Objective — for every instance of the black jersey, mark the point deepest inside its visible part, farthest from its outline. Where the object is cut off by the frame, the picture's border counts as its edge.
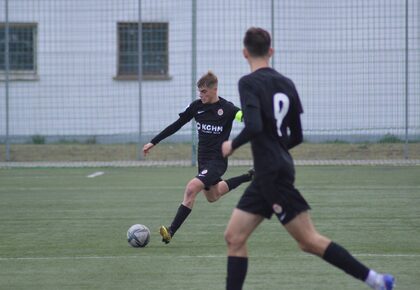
(271, 108)
(214, 124)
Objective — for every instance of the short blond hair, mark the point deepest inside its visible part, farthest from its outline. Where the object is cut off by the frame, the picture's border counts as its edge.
(208, 80)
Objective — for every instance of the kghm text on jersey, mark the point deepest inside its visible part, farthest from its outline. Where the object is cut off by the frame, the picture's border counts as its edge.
(206, 128)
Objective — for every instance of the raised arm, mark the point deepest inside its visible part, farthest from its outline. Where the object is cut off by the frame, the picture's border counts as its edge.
(168, 131)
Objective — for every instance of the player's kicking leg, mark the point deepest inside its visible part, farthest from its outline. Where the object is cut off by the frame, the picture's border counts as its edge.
(193, 187)
(212, 194)
(166, 234)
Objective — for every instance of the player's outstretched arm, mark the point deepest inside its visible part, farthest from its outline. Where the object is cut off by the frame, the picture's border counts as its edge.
(147, 147)
(168, 131)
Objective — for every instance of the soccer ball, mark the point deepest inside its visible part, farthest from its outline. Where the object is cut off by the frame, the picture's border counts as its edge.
(138, 236)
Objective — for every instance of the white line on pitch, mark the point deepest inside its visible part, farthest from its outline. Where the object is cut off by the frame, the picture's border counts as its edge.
(93, 175)
(101, 257)
(29, 188)
(182, 257)
(387, 255)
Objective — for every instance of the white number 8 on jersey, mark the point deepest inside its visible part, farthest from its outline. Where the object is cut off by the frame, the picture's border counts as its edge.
(281, 107)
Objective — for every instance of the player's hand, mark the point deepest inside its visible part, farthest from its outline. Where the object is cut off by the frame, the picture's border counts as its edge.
(147, 147)
(227, 148)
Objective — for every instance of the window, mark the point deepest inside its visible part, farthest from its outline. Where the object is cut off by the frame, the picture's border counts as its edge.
(155, 50)
(22, 49)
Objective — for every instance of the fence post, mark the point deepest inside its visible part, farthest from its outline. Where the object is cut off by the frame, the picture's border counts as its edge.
(7, 71)
(272, 31)
(193, 76)
(140, 80)
(406, 153)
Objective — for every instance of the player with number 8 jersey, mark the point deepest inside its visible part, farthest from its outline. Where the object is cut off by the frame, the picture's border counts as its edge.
(275, 108)
(271, 110)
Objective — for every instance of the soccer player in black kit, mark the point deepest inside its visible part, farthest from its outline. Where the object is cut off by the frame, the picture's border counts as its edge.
(214, 116)
(271, 110)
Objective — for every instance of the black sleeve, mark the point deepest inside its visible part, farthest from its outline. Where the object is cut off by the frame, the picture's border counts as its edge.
(252, 115)
(296, 135)
(184, 118)
(233, 110)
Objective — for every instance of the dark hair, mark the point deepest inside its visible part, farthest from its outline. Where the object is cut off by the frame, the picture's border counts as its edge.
(257, 41)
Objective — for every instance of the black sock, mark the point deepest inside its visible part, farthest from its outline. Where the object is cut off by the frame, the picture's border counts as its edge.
(234, 182)
(236, 272)
(180, 217)
(342, 259)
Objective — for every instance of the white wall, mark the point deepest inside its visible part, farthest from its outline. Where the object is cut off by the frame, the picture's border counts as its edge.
(346, 60)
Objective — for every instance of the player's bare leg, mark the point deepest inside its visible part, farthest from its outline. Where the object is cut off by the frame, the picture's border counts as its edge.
(240, 227)
(309, 240)
(218, 190)
(303, 231)
(193, 187)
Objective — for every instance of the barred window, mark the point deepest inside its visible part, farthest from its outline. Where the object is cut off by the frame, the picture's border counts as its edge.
(154, 46)
(22, 47)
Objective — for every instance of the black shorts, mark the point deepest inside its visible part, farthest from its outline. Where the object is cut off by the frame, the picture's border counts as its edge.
(270, 194)
(210, 172)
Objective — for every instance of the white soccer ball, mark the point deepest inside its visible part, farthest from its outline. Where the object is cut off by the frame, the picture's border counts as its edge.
(138, 236)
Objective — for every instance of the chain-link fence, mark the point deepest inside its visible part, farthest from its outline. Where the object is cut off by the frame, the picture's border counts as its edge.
(71, 88)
